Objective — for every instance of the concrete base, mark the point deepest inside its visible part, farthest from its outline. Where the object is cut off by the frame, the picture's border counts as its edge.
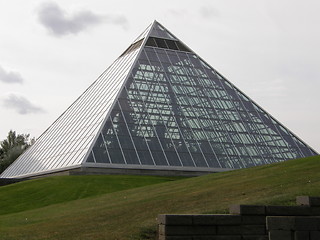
(7, 181)
(127, 169)
(123, 171)
(131, 171)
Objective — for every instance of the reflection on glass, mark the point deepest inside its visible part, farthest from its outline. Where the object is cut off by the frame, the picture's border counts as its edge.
(175, 110)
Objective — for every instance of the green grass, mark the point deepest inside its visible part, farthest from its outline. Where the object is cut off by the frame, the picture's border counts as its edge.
(47, 191)
(130, 213)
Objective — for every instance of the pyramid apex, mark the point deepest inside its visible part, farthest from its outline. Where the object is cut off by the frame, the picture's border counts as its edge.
(159, 31)
(155, 22)
(156, 29)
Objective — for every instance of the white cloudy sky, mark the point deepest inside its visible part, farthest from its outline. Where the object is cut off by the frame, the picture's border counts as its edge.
(51, 51)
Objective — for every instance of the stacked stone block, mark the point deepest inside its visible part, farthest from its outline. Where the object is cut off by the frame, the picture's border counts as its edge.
(293, 228)
(211, 227)
(247, 222)
(298, 222)
(255, 215)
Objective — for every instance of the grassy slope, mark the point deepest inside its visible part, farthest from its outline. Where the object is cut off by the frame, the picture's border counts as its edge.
(119, 215)
(46, 191)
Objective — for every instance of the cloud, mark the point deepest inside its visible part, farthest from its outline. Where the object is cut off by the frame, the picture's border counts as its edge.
(209, 11)
(21, 104)
(59, 22)
(178, 12)
(10, 77)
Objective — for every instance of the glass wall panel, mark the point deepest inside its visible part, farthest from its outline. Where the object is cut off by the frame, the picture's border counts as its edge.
(145, 158)
(100, 151)
(116, 155)
(90, 158)
(173, 158)
(131, 156)
(179, 109)
(199, 160)
(159, 158)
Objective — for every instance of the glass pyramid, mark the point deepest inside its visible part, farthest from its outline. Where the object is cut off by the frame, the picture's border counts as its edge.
(159, 106)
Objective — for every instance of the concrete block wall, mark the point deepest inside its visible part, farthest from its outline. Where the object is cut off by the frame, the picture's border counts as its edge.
(247, 222)
(205, 227)
(293, 228)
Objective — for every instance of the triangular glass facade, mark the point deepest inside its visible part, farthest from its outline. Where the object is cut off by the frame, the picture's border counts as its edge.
(161, 106)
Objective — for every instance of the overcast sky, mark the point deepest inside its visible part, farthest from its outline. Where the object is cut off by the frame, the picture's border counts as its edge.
(51, 51)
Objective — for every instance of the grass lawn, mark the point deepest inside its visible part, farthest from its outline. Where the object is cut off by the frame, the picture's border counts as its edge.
(47, 191)
(123, 213)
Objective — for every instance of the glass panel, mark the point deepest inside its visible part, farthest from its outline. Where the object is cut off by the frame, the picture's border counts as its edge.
(90, 158)
(131, 156)
(145, 158)
(212, 161)
(161, 43)
(100, 151)
(151, 42)
(159, 158)
(199, 160)
(116, 156)
(173, 158)
(186, 159)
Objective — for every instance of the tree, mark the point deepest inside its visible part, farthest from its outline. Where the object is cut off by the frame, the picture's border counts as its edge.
(12, 147)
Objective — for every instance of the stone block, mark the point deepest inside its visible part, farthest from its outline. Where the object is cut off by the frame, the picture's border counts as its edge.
(247, 209)
(174, 219)
(186, 230)
(288, 211)
(280, 235)
(255, 237)
(307, 223)
(162, 237)
(229, 230)
(280, 223)
(253, 220)
(314, 211)
(221, 237)
(309, 201)
(301, 235)
(216, 219)
(314, 235)
(253, 229)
